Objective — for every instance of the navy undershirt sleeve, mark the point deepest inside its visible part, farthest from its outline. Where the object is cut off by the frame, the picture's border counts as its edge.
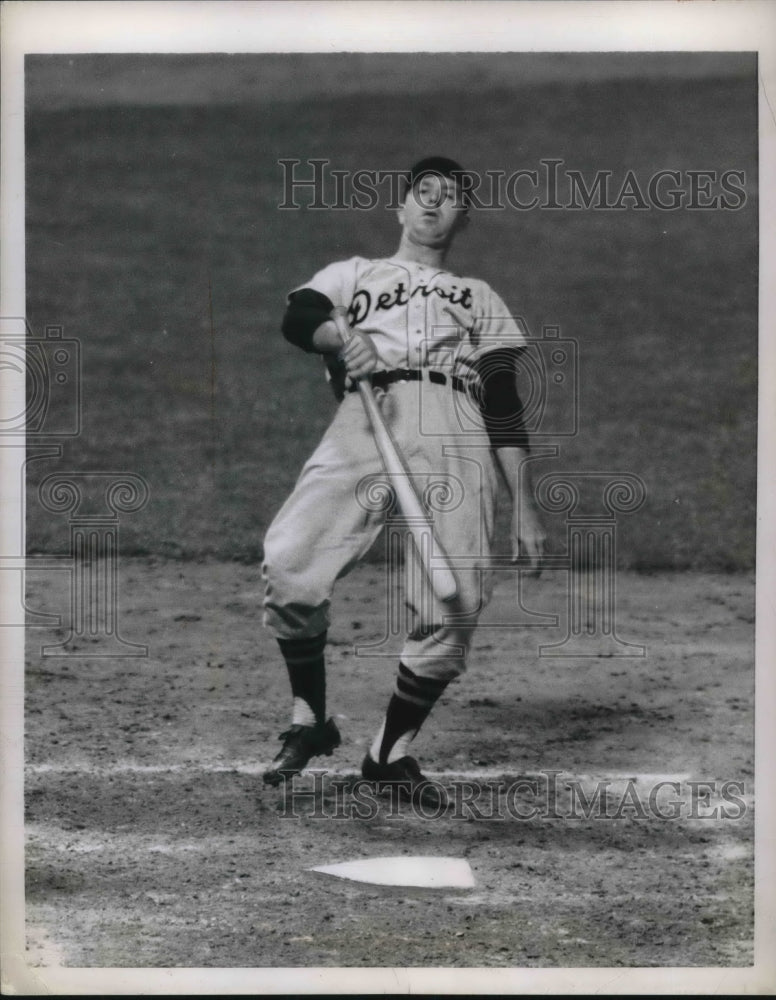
(500, 403)
(306, 311)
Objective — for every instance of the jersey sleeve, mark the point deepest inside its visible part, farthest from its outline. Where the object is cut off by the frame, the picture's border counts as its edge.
(495, 327)
(336, 281)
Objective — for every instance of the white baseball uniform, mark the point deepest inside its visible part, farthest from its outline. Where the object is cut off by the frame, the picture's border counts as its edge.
(432, 322)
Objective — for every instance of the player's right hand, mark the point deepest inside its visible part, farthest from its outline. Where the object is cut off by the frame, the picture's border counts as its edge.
(359, 356)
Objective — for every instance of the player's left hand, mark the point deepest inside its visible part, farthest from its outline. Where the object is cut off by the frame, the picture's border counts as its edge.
(360, 356)
(528, 537)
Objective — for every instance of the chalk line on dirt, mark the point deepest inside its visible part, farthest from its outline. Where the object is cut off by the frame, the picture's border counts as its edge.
(255, 769)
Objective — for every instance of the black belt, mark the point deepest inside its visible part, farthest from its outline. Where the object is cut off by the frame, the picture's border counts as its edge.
(381, 380)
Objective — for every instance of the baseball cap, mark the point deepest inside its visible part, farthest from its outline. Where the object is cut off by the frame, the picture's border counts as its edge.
(439, 166)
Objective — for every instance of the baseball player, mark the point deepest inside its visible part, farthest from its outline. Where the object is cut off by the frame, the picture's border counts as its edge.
(435, 345)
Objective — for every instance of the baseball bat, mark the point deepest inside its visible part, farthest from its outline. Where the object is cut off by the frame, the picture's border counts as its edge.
(441, 576)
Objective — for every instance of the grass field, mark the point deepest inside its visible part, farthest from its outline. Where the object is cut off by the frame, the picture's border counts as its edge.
(154, 238)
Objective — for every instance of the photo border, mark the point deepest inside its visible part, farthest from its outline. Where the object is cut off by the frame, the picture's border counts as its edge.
(442, 26)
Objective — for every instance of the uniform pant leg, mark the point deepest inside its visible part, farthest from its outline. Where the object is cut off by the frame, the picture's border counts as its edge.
(438, 645)
(322, 530)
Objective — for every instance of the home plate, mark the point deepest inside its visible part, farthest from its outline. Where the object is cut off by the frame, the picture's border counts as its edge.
(425, 873)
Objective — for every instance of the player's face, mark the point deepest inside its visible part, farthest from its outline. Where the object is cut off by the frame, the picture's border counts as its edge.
(433, 213)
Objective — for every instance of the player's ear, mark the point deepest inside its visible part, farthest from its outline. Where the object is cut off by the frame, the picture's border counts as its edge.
(463, 222)
(400, 215)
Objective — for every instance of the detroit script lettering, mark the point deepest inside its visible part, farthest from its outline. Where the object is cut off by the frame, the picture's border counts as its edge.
(362, 305)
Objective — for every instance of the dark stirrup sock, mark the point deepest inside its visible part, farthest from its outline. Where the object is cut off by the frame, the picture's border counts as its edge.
(410, 704)
(306, 665)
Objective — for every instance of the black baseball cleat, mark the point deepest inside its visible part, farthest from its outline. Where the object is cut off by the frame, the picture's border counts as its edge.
(300, 744)
(404, 778)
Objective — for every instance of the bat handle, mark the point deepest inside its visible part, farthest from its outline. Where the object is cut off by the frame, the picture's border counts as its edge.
(340, 317)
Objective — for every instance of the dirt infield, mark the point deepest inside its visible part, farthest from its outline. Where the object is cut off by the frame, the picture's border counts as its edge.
(151, 841)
